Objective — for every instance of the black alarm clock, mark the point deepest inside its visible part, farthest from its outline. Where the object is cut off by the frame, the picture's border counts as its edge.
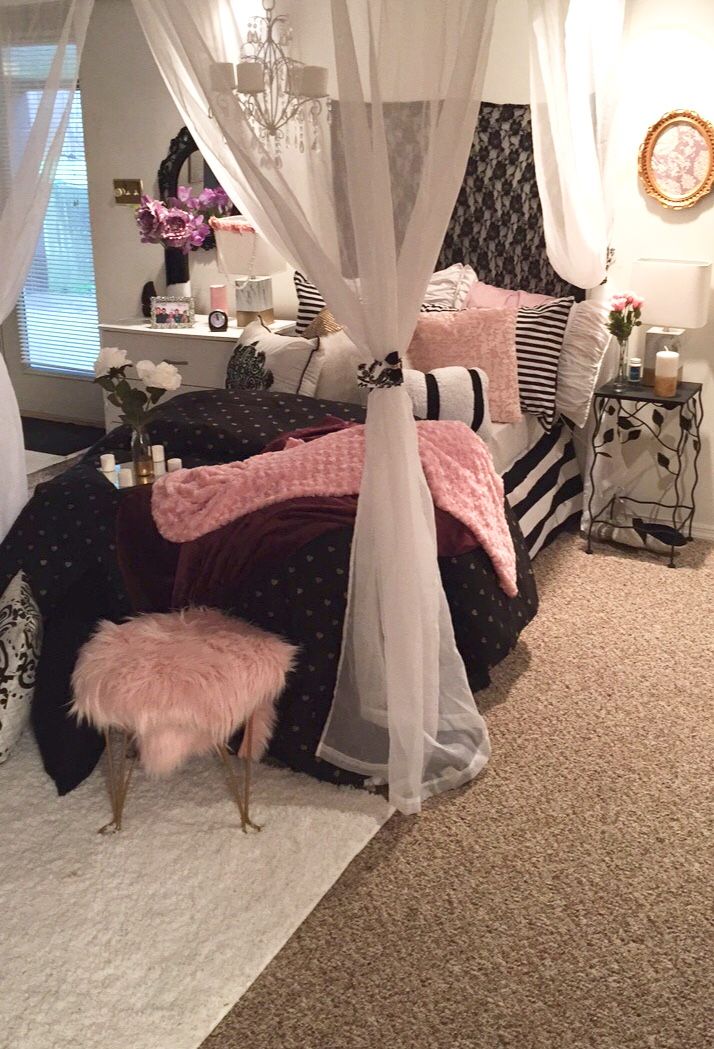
(218, 320)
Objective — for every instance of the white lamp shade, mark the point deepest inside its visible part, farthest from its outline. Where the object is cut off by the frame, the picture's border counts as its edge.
(676, 292)
(242, 251)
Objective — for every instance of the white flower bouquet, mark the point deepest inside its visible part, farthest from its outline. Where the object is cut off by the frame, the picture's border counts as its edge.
(136, 404)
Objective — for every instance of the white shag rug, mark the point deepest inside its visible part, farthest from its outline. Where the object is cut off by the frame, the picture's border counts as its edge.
(145, 939)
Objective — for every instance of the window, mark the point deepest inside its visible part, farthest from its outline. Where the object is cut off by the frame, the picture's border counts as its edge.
(57, 310)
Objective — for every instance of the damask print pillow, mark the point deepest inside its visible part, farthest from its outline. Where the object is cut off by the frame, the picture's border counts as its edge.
(263, 360)
(20, 643)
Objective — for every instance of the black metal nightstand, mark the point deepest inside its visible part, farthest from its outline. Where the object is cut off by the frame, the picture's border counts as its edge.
(624, 416)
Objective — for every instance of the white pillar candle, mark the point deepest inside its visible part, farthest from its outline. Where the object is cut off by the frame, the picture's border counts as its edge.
(250, 79)
(126, 477)
(309, 81)
(107, 462)
(157, 453)
(173, 465)
(223, 76)
(666, 370)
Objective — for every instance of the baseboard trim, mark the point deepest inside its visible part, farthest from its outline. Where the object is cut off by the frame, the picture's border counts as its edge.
(703, 531)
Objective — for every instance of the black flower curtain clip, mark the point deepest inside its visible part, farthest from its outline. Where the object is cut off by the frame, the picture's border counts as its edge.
(380, 374)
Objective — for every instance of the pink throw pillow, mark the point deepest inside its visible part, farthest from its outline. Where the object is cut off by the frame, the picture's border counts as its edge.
(482, 296)
(484, 338)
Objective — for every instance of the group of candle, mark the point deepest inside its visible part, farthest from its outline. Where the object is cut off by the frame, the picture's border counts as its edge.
(108, 466)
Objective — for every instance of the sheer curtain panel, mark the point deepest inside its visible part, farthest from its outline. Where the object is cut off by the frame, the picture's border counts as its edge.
(379, 100)
(574, 58)
(40, 47)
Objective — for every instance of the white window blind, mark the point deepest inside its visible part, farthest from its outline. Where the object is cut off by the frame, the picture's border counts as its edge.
(57, 310)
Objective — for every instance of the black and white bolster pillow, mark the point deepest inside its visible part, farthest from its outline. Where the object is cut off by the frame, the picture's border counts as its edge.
(455, 393)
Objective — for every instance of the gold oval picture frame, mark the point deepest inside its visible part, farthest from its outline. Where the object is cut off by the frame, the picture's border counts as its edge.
(676, 159)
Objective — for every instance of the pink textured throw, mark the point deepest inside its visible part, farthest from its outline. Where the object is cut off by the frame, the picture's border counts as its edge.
(472, 339)
(457, 465)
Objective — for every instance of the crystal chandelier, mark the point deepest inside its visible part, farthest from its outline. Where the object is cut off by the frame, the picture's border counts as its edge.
(282, 99)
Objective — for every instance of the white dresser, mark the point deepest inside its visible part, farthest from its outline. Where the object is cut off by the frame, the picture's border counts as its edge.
(203, 354)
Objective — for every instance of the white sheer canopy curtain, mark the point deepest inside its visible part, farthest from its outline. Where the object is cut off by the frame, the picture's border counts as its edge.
(358, 196)
(40, 47)
(574, 59)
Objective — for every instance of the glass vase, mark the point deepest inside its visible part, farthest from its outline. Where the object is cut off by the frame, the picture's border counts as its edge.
(622, 378)
(141, 456)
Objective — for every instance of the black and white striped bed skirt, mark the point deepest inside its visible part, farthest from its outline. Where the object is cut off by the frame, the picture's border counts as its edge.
(545, 488)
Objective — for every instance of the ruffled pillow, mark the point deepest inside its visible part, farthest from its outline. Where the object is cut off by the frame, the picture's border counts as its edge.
(584, 346)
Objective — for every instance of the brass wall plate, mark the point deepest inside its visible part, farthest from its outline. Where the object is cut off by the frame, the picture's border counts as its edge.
(128, 191)
(676, 159)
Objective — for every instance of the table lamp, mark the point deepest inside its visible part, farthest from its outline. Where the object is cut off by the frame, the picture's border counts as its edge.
(247, 259)
(676, 297)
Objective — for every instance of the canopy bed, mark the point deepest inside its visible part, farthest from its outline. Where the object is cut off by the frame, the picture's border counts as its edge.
(412, 616)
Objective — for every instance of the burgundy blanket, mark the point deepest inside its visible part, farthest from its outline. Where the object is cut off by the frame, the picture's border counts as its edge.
(161, 575)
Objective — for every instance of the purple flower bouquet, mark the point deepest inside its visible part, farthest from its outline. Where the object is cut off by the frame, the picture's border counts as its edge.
(182, 222)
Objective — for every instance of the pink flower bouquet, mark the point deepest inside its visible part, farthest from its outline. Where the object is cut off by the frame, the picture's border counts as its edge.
(625, 313)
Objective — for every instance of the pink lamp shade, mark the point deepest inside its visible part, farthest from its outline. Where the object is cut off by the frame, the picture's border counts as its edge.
(242, 250)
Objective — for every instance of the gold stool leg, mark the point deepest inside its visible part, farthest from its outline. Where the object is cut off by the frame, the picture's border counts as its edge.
(118, 780)
(241, 798)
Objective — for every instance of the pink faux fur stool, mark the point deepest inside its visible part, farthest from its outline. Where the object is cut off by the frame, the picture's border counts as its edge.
(180, 684)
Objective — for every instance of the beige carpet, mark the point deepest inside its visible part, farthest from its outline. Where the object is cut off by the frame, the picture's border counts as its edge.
(564, 899)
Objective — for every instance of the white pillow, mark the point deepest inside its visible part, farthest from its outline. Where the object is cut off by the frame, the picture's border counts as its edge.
(584, 345)
(449, 288)
(338, 379)
(263, 360)
(20, 643)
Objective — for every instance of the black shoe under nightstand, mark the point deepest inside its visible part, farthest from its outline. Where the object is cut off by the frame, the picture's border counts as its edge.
(623, 415)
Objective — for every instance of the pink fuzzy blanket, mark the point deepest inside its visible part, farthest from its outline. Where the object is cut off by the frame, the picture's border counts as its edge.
(457, 465)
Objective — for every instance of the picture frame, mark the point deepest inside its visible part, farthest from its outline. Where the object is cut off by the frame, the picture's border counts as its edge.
(676, 159)
(172, 311)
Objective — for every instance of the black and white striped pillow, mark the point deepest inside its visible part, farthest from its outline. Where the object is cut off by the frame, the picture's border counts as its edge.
(451, 393)
(540, 331)
(310, 302)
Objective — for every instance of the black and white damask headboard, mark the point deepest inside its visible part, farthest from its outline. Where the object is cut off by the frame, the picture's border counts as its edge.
(497, 224)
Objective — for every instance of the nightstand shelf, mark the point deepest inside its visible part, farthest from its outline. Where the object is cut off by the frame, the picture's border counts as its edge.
(624, 416)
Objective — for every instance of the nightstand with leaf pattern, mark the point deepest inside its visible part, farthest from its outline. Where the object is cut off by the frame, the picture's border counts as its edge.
(625, 416)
